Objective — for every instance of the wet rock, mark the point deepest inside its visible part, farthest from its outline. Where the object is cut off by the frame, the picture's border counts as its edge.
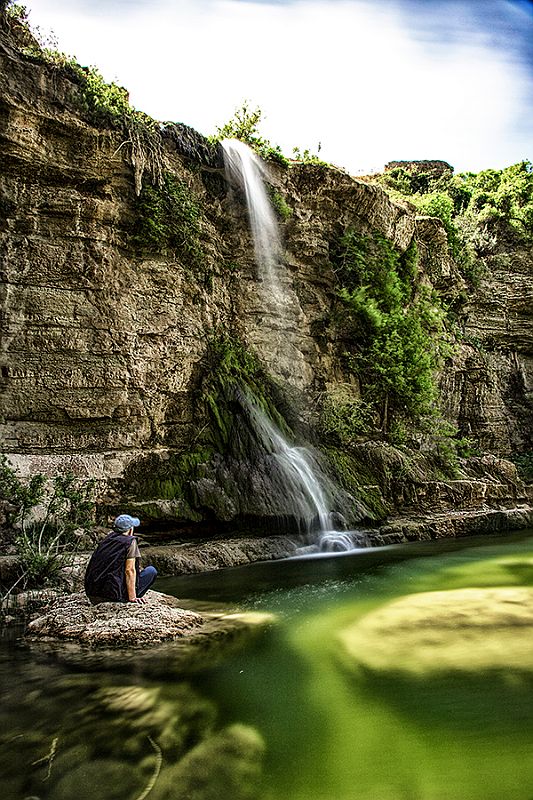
(220, 554)
(451, 524)
(102, 779)
(24, 603)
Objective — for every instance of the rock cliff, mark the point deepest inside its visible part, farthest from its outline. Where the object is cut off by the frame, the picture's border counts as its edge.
(108, 326)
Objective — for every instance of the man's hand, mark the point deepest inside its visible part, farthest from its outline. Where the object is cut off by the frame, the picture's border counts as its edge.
(138, 600)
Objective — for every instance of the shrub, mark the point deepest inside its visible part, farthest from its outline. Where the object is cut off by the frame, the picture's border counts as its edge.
(45, 519)
(343, 418)
(244, 125)
(282, 208)
(169, 221)
(524, 465)
(395, 327)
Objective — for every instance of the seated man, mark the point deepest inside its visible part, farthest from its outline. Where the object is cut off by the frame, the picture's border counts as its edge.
(113, 573)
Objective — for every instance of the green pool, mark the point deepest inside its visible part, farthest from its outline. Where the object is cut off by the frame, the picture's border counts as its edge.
(294, 716)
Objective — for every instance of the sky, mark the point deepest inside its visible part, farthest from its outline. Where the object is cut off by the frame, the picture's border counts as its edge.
(360, 82)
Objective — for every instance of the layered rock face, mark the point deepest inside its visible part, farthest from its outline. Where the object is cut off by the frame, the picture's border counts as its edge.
(489, 387)
(104, 345)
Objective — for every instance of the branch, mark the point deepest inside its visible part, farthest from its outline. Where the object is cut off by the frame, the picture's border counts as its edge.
(157, 770)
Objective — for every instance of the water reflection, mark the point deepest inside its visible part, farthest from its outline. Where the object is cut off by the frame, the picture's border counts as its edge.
(104, 737)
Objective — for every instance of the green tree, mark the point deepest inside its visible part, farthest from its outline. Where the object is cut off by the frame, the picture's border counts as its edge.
(395, 326)
(244, 125)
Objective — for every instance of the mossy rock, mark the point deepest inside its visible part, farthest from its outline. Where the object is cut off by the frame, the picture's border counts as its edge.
(227, 764)
(101, 779)
(464, 632)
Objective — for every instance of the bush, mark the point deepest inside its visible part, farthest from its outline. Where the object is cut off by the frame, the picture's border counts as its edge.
(524, 465)
(477, 210)
(344, 418)
(169, 221)
(244, 126)
(394, 325)
(45, 519)
(282, 208)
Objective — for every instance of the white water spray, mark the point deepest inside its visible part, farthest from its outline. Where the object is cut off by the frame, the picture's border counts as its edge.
(307, 499)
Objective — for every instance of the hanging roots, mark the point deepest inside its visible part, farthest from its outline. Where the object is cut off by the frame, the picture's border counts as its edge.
(146, 153)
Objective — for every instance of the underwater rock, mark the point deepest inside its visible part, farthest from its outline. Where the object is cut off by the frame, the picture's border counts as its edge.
(176, 721)
(228, 764)
(102, 779)
(464, 631)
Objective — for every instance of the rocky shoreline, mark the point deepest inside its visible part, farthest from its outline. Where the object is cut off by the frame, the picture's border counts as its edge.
(187, 558)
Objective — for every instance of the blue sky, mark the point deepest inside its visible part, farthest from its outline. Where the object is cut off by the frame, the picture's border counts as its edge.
(368, 81)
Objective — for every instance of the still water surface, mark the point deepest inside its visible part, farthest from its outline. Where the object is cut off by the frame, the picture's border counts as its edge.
(329, 734)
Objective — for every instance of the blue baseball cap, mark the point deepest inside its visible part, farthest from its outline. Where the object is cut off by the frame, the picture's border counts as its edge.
(124, 522)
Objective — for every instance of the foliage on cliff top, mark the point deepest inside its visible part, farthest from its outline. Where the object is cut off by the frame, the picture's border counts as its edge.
(244, 125)
(105, 103)
(476, 209)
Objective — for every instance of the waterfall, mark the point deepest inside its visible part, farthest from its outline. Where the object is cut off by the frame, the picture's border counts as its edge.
(307, 498)
(305, 488)
(246, 170)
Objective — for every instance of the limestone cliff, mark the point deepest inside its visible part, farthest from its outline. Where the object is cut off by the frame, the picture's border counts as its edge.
(107, 338)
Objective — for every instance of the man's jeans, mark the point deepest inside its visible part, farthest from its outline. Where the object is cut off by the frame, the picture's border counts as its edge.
(146, 577)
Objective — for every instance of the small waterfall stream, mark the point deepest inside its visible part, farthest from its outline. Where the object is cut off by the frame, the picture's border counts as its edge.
(308, 498)
(246, 170)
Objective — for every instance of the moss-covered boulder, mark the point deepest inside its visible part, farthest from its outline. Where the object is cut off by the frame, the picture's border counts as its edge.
(467, 632)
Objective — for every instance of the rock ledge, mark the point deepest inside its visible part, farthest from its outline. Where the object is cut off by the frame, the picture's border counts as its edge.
(73, 618)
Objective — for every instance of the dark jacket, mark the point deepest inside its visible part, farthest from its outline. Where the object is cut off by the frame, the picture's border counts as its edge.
(105, 577)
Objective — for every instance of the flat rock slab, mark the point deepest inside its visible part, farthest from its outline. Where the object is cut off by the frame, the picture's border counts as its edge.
(74, 618)
(159, 636)
(468, 631)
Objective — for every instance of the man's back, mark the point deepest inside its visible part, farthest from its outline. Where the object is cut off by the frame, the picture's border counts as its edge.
(105, 574)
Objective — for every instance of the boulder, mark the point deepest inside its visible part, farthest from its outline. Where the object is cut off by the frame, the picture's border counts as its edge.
(72, 617)
(159, 637)
(230, 762)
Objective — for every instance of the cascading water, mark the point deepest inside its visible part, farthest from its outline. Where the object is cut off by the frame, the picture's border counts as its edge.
(246, 170)
(307, 499)
(304, 486)
(279, 326)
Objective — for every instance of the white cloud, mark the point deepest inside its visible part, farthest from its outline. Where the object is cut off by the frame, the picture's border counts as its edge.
(347, 74)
